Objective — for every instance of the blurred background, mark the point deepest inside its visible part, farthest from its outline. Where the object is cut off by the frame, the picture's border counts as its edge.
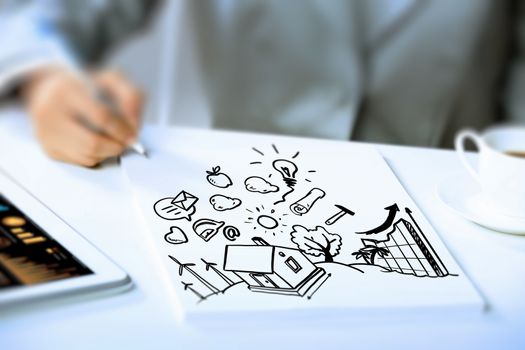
(409, 72)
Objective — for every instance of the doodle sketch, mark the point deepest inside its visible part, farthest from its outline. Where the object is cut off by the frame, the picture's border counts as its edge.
(176, 236)
(210, 265)
(188, 267)
(272, 269)
(406, 250)
(392, 211)
(231, 233)
(222, 203)
(293, 270)
(254, 246)
(218, 179)
(288, 170)
(175, 208)
(268, 220)
(317, 242)
(209, 289)
(303, 205)
(207, 228)
(259, 185)
(342, 212)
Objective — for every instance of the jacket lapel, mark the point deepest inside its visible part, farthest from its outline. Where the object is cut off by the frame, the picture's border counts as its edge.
(414, 77)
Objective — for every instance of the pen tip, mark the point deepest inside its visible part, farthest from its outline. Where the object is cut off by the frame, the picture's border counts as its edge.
(137, 147)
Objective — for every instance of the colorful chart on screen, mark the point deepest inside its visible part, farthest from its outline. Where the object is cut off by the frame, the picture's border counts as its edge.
(28, 255)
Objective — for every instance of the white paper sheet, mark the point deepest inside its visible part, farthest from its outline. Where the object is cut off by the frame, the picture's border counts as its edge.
(346, 236)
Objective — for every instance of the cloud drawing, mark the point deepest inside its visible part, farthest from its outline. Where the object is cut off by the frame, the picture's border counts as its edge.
(260, 185)
(222, 203)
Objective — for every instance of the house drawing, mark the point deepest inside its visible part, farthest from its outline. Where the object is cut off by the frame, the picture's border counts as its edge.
(272, 269)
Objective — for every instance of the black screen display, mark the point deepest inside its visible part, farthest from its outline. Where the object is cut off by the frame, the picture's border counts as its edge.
(28, 255)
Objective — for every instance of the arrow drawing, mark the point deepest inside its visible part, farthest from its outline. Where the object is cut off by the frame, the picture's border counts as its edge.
(216, 270)
(187, 267)
(392, 210)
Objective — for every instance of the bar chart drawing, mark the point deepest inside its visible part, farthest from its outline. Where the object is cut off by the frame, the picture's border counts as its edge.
(406, 250)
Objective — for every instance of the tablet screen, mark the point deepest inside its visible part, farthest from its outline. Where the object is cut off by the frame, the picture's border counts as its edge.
(28, 255)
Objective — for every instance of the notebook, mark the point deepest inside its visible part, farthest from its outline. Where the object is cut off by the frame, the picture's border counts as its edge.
(255, 224)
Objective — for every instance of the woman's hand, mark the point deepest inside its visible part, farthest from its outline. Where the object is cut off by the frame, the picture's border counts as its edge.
(62, 106)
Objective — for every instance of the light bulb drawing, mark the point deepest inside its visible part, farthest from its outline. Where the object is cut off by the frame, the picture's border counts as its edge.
(285, 166)
(287, 170)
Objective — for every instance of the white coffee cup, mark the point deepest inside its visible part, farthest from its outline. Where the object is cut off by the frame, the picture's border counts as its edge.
(500, 175)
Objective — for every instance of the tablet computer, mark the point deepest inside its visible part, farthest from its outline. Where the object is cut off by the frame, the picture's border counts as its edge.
(42, 257)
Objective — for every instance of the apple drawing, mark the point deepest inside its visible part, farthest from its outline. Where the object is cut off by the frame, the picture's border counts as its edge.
(218, 179)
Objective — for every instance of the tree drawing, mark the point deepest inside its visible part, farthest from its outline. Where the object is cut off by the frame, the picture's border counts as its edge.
(369, 252)
(362, 254)
(317, 242)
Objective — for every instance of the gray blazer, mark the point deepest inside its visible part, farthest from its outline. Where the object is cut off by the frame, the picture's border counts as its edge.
(336, 68)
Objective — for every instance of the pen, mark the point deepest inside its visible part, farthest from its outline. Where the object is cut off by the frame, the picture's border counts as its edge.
(106, 99)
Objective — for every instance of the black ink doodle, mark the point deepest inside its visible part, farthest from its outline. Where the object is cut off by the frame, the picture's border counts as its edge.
(405, 250)
(175, 208)
(317, 242)
(392, 210)
(256, 150)
(231, 233)
(259, 185)
(267, 222)
(288, 170)
(319, 285)
(368, 253)
(176, 236)
(342, 212)
(218, 179)
(280, 270)
(188, 286)
(188, 267)
(222, 203)
(207, 228)
(266, 219)
(303, 205)
(437, 265)
(210, 265)
(211, 288)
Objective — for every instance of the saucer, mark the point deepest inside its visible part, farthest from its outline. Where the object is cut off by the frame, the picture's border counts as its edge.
(463, 195)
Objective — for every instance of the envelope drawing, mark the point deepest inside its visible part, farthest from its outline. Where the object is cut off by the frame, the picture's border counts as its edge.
(184, 200)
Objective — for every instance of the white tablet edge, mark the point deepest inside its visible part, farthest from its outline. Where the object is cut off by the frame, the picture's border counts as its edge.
(106, 273)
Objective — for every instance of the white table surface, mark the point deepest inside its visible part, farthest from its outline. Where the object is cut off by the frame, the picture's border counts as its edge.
(98, 204)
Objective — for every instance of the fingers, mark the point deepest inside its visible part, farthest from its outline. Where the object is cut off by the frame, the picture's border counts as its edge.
(77, 159)
(85, 106)
(128, 98)
(56, 99)
(90, 144)
(66, 140)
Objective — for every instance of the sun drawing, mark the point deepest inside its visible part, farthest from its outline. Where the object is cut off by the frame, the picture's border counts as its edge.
(266, 220)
